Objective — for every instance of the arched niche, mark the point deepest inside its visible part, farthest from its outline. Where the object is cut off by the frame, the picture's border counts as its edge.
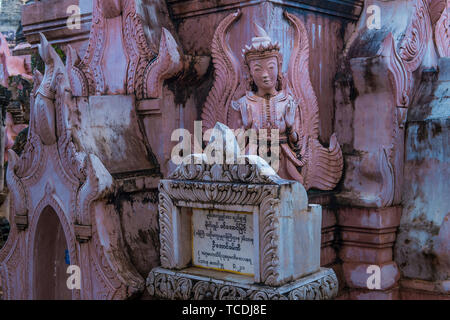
(50, 259)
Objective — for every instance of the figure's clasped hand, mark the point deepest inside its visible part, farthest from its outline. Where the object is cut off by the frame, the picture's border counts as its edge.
(290, 115)
(290, 120)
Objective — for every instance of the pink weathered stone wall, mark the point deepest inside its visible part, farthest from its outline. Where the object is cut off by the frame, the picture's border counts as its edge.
(391, 156)
(50, 17)
(422, 246)
(382, 92)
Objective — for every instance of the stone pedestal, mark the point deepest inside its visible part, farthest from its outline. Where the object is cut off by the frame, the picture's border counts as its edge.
(238, 227)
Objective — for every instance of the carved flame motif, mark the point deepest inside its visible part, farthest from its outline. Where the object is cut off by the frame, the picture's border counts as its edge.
(43, 111)
(319, 167)
(442, 33)
(226, 76)
(410, 54)
(144, 71)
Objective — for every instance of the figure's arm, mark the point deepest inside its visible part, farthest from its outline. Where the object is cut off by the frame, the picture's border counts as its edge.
(246, 113)
(291, 111)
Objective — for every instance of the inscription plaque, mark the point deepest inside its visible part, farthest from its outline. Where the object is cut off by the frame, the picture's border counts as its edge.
(223, 240)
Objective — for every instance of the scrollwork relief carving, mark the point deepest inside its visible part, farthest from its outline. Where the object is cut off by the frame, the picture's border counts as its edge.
(166, 208)
(442, 33)
(399, 75)
(166, 285)
(195, 167)
(412, 49)
(269, 243)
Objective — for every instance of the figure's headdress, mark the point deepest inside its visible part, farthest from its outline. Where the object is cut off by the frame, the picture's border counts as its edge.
(261, 47)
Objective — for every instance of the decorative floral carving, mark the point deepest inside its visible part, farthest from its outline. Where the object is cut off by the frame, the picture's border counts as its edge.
(165, 284)
(205, 290)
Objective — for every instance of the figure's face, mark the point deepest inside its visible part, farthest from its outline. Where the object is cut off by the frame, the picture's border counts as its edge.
(264, 73)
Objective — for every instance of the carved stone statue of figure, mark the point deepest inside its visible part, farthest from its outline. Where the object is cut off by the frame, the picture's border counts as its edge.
(267, 105)
(271, 100)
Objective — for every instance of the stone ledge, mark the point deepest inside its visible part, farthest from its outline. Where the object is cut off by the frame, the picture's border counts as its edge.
(50, 18)
(369, 218)
(167, 284)
(417, 286)
(182, 9)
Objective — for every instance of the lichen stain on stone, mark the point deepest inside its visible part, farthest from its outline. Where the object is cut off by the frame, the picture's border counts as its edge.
(154, 236)
(422, 132)
(142, 236)
(189, 84)
(118, 198)
(369, 76)
(436, 128)
(151, 197)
